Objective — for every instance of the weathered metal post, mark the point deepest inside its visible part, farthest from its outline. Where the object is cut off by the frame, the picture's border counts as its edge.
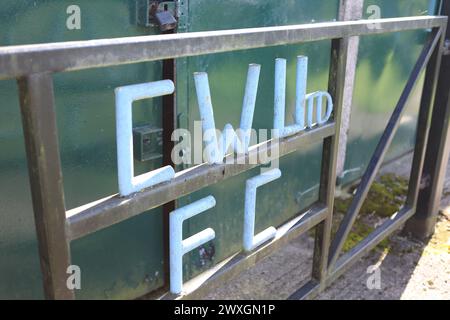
(421, 225)
(44, 167)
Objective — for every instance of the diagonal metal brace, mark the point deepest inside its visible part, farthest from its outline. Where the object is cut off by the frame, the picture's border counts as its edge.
(381, 149)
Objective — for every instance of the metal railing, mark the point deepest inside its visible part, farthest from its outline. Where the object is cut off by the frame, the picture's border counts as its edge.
(34, 65)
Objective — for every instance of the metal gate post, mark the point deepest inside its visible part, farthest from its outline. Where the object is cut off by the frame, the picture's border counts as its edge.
(336, 88)
(344, 56)
(41, 141)
(421, 225)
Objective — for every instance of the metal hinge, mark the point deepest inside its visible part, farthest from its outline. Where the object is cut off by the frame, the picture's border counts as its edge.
(446, 50)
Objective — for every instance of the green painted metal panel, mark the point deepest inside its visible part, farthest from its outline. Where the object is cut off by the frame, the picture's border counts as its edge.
(123, 261)
(384, 65)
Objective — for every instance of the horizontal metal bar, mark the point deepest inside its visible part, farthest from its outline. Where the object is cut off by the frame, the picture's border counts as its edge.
(100, 214)
(381, 149)
(370, 242)
(17, 61)
(233, 266)
(313, 288)
(307, 291)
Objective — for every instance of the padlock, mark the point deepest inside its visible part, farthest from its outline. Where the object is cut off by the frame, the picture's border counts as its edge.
(165, 20)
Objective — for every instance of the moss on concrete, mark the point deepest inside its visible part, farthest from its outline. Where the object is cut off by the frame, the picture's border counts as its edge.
(360, 231)
(385, 197)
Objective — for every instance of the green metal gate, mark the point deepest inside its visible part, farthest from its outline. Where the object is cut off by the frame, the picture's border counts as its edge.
(129, 259)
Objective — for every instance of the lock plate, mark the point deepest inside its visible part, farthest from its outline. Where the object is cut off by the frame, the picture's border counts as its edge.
(147, 143)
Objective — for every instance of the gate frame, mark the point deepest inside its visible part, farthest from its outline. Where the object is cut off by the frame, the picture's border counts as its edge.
(33, 66)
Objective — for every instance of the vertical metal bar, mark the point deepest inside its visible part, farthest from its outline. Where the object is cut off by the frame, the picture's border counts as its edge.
(169, 120)
(41, 141)
(423, 125)
(337, 87)
(421, 225)
(339, 49)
